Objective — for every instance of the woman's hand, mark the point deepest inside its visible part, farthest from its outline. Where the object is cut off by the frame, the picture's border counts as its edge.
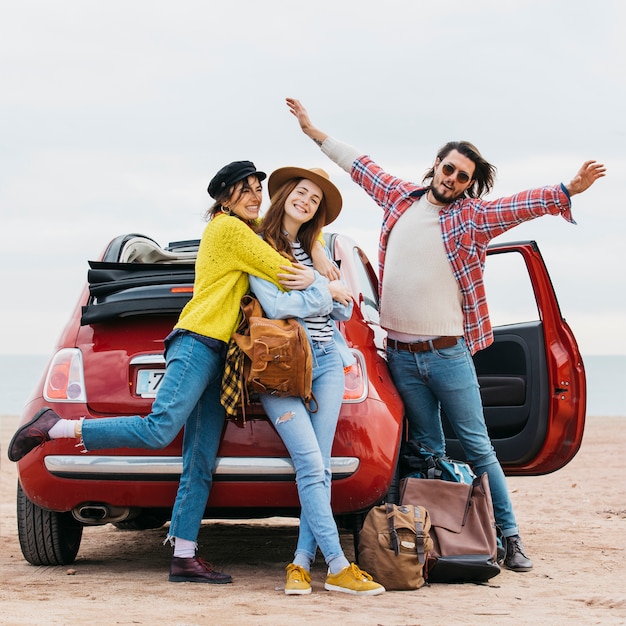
(339, 292)
(322, 263)
(296, 276)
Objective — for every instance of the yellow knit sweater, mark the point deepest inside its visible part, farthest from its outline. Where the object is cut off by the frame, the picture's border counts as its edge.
(229, 251)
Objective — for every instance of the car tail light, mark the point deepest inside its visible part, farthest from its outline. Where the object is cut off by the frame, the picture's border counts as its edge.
(355, 386)
(65, 381)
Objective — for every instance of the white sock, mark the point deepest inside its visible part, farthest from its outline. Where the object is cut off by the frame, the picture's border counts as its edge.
(302, 561)
(337, 564)
(184, 549)
(63, 429)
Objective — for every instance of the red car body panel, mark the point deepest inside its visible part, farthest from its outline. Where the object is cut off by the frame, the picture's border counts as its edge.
(565, 370)
(368, 433)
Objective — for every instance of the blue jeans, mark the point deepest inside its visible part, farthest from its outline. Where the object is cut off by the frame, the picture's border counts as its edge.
(189, 396)
(309, 438)
(446, 378)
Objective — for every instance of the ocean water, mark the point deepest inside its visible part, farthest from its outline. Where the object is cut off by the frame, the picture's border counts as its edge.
(606, 383)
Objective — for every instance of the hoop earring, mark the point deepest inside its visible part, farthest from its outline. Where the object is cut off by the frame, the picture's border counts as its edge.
(226, 210)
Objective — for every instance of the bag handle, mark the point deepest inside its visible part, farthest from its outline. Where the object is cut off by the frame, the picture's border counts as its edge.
(251, 307)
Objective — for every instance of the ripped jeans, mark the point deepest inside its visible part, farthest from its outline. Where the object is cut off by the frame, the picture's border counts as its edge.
(309, 438)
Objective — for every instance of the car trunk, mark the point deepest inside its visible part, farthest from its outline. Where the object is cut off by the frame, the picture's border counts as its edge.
(121, 349)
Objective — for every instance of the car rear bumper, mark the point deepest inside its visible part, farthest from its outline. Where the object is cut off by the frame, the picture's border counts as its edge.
(166, 468)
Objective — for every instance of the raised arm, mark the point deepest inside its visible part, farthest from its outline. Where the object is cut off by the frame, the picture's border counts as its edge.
(363, 171)
(296, 108)
(586, 176)
(337, 151)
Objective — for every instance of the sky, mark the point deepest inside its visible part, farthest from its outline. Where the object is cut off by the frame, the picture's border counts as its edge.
(115, 115)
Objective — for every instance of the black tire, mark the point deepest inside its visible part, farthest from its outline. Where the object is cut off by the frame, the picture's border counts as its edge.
(146, 520)
(46, 537)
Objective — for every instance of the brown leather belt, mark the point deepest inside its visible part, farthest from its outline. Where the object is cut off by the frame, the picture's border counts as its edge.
(423, 346)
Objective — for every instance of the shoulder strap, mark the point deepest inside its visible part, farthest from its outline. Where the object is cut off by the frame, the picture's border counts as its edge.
(394, 543)
(419, 535)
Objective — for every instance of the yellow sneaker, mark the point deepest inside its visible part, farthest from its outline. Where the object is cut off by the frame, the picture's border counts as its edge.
(298, 581)
(351, 579)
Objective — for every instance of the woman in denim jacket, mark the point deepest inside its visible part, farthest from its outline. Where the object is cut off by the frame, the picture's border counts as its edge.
(302, 202)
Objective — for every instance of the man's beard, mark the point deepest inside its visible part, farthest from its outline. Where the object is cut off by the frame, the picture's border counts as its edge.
(443, 199)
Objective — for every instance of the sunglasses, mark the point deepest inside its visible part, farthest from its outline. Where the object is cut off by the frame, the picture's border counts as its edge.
(462, 177)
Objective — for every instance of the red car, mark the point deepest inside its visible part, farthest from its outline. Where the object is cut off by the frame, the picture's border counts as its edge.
(109, 362)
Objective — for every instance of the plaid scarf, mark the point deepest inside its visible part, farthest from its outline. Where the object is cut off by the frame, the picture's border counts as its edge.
(233, 392)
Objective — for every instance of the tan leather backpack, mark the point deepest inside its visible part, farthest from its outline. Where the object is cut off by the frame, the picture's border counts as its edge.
(278, 354)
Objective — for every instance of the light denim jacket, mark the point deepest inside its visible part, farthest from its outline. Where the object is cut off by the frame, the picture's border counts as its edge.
(314, 300)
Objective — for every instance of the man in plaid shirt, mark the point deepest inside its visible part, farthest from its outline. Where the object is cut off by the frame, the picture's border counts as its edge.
(436, 313)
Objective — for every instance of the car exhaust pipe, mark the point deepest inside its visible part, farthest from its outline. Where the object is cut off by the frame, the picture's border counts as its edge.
(95, 514)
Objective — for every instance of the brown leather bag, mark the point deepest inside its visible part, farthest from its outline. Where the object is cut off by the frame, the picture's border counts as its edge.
(463, 527)
(393, 545)
(278, 356)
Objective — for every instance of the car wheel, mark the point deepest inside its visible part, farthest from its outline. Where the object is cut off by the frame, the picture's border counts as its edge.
(46, 537)
(146, 520)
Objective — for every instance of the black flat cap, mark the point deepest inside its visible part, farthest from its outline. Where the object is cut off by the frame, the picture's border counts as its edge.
(230, 174)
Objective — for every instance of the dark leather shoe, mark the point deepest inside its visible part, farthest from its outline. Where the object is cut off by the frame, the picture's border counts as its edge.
(195, 570)
(515, 558)
(32, 434)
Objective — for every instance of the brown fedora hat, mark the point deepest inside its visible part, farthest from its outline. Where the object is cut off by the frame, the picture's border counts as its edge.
(332, 197)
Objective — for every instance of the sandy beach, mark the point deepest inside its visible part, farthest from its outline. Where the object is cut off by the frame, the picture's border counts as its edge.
(573, 524)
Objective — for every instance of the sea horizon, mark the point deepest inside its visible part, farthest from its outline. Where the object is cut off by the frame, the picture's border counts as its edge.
(606, 380)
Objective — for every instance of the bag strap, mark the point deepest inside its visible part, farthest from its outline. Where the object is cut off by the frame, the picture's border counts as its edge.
(470, 493)
(419, 537)
(394, 542)
(251, 307)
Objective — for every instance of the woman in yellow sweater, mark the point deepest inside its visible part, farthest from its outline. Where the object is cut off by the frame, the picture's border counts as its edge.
(195, 350)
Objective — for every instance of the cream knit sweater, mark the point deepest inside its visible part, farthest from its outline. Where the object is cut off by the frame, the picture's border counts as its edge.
(420, 296)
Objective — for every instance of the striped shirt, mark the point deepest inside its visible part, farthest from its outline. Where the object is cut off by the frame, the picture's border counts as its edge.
(320, 326)
(467, 227)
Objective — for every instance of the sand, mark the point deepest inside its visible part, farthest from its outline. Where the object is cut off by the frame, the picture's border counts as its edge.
(573, 524)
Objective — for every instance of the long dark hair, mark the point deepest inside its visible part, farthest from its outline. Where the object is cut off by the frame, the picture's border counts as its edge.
(229, 195)
(484, 172)
(272, 224)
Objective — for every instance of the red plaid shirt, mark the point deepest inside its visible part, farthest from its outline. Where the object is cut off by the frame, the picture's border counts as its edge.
(467, 227)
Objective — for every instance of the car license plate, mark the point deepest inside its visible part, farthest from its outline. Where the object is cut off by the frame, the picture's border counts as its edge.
(148, 382)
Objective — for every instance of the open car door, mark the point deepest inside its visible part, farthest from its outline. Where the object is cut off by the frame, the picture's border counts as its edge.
(532, 377)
